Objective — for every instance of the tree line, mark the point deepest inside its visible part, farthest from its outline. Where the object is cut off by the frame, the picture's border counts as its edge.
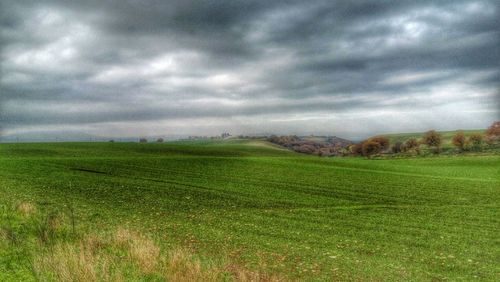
(431, 139)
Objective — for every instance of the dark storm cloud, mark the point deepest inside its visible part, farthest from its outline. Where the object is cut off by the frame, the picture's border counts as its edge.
(235, 65)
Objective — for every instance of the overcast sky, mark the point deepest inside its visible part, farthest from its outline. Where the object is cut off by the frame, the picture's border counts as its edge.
(345, 68)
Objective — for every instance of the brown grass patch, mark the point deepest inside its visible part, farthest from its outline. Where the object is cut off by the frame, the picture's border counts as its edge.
(78, 262)
(68, 262)
(26, 208)
(142, 250)
(182, 266)
(127, 253)
(245, 275)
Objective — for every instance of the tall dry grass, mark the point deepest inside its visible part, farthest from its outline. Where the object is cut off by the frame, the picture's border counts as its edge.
(141, 250)
(120, 255)
(95, 258)
(181, 266)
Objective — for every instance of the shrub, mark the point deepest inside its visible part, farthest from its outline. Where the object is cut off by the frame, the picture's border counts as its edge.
(356, 149)
(397, 147)
(459, 141)
(433, 140)
(383, 141)
(411, 145)
(493, 133)
(371, 148)
(476, 141)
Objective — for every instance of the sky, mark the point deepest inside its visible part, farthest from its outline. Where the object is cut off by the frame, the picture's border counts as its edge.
(163, 68)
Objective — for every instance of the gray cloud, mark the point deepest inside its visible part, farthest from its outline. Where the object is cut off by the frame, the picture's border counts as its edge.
(153, 67)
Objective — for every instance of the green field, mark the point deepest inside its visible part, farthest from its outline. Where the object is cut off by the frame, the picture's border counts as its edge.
(297, 216)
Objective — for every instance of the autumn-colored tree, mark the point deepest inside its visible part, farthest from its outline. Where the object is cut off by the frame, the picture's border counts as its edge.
(371, 148)
(383, 141)
(459, 141)
(476, 141)
(356, 149)
(433, 140)
(493, 133)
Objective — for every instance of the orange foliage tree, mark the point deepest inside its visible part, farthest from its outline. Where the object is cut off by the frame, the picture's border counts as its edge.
(459, 141)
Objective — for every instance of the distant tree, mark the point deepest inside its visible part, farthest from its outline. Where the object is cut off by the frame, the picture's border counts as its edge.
(111, 141)
(306, 149)
(397, 147)
(383, 141)
(371, 148)
(476, 141)
(411, 145)
(273, 139)
(159, 140)
(143, 140)
(493, 133)
(433, 140)
(459, 141)
(356, 149)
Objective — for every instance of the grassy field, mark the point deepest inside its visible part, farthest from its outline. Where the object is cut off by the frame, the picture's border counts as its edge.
(245, 209)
